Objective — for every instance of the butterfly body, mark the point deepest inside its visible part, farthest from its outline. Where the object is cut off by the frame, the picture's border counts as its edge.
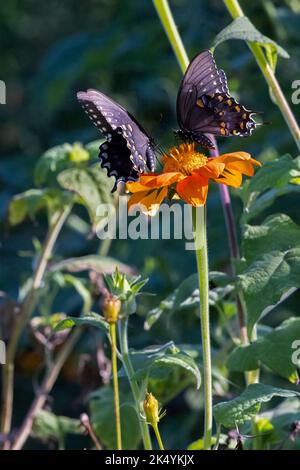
(204, 104)
(128, 150)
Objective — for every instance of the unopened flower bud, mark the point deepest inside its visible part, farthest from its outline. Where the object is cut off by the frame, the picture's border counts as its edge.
(111, 308)
(151, 409)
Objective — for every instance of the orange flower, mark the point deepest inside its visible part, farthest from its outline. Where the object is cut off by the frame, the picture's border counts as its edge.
(186, 174)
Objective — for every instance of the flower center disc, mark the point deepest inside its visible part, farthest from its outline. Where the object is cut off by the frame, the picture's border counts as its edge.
(184, 159)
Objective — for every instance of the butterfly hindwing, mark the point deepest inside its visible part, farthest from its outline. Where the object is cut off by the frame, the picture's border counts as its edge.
(129, 149)
(204, 104)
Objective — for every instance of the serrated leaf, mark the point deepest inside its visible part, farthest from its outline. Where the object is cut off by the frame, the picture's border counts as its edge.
(92, 319)
(269, 182)
(277, 232)
(29, 203)
(270, 271)
(91, 186)
(242, 28)
(247, 405)
(273, 350)
(102, 411)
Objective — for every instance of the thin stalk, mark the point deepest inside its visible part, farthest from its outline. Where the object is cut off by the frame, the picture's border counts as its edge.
(200, 237)
(26, 311)
(167, 20)
(123, 338)
(236, 11)
(47, 385)
(113, 338)
(158, 436)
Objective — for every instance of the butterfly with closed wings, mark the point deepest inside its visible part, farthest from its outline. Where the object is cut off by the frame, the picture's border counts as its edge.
(128, 150)
(204, 105)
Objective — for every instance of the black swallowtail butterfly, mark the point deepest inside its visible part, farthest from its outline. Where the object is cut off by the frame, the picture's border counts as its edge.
(204, 104)
(128, 150)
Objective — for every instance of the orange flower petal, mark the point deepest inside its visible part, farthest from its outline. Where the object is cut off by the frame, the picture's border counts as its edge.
(233, 157)
(231, 178)
(193, 189)
(148, 200)
(139, 185)
(213, 169)
(164, 179)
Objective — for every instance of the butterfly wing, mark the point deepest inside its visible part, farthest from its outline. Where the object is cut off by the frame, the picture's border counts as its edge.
(128, 150)
(204, 104)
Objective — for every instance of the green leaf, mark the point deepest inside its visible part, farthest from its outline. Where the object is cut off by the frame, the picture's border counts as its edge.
(186, 296)
(273, 350)
(102, 410)
(93, 148)
(81, 289)
(247, 405)
(242, 28)
(99, 264)
(47, 426)
(57, 159)
(91, 319)
(199, 444)
(92, 187)
(271, 270)
(29, 203)
(269, 182)
(154, 361)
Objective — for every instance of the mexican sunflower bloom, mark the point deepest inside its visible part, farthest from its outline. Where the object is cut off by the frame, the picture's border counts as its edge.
(186, 174)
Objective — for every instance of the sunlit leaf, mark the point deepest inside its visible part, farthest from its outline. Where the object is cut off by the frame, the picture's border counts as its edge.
(242, 28)
(91, 319)
(244, 407)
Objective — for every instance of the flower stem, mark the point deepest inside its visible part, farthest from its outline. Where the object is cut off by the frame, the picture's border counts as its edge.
(113, 338)
(200, 237)
(158, 436)
(26, 311)
(172, 33)
(235, 11)
(123, 327)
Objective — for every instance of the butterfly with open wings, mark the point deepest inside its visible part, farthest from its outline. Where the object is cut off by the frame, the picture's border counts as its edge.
(204, 105)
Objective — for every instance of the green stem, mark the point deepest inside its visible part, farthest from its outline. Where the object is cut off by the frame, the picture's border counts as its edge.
(113, 338)
(158, 436)
(235, 11)
(26, 311)
(171, 30)
(200, 237)
(123, 326)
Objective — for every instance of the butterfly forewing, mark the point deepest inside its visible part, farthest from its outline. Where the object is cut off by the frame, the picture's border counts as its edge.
(204, 104)
(128, 150)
